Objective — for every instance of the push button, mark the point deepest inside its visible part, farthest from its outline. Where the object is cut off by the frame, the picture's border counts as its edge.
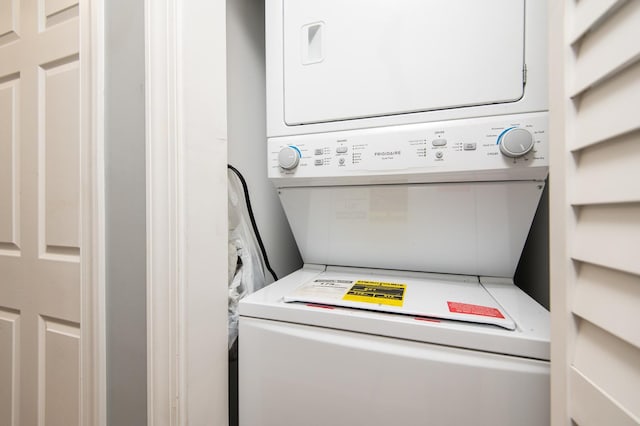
(439, 142)
(439, 154)
(341, 149)
(470, 146)
(318, 162)
(318, 151)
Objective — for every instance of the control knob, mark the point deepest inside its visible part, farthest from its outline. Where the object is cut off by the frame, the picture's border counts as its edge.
(515, 142)
(289, 157)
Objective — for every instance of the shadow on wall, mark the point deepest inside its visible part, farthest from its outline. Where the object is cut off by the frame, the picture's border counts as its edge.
(532, 273)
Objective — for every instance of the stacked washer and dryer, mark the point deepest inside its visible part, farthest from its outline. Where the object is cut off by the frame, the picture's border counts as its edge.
(408, 144)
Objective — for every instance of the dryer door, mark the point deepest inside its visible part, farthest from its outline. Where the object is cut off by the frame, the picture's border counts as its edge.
(362, 58)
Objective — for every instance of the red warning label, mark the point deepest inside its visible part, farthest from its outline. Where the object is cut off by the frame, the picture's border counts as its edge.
(466, 308)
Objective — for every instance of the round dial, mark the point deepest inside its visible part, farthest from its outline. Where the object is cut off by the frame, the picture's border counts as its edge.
(288, 158)
(516, 142)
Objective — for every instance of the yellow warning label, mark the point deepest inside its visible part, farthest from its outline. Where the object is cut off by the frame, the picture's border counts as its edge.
(376, 292)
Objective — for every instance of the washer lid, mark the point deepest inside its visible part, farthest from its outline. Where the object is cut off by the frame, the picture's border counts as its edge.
(530, 338)
(356, 59)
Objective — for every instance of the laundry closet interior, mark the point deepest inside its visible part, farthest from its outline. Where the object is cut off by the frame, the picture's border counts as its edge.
(396, 157)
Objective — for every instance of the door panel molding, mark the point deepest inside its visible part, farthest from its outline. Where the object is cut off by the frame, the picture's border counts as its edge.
(9, 165)
(186, 141)
(93, 386)
(9, 365)
(165, 372)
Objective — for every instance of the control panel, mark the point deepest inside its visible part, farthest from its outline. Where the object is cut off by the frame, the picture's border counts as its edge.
(492, 148)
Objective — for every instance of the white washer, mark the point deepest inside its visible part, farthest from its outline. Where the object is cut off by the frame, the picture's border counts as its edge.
(315, 364)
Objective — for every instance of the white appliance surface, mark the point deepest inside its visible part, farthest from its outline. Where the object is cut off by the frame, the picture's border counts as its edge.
(529, 339)
(317, 365)
(432, 197)
(335, 65)
(461, 300)
(299, 375)
(466, 150)
(457, 228)
(408, 143)
(398, 57)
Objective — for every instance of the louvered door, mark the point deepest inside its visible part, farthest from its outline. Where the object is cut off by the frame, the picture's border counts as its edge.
(595, 211)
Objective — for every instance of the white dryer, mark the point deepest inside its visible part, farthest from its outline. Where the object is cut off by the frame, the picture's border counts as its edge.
(409, 149)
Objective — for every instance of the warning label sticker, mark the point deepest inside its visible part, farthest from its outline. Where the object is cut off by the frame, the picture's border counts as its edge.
(466, 308)
(376, 292)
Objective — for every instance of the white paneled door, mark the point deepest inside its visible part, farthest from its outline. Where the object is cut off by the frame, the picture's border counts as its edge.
(40, 213)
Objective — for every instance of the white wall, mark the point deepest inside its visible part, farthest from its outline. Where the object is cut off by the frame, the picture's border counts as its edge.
(125, 213)
(247, 150)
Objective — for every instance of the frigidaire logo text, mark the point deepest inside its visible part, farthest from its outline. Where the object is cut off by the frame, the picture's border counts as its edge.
(387, 153)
